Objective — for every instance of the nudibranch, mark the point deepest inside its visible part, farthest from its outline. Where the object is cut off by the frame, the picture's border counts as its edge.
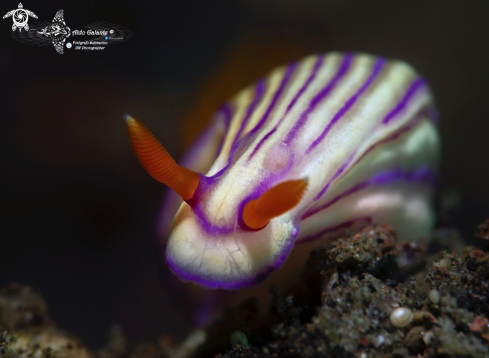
(331, 142)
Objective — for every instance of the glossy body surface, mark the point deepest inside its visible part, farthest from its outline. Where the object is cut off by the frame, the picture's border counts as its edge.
(358, 129)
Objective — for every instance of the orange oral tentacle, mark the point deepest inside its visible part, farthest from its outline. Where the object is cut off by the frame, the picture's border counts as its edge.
(158, 163)
(274, 202)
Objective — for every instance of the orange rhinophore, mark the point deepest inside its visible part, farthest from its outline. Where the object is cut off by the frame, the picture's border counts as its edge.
(274, 202)
(158, 163)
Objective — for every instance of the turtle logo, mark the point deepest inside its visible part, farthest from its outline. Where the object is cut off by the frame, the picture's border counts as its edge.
(20, 17)
(58, 32)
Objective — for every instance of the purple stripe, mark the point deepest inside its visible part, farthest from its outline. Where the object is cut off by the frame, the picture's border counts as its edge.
(226, 110)
(415, 85)
(262, 141)
(332, 229)
(420, 175)
(206, 184)
(336, 175)
(260, 88)
(344, 67)
(288, 74)
(312, 76)
(376, 70)
(394, 136)
(195, 202)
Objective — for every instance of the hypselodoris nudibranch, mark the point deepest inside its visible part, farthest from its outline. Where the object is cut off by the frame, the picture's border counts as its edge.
(331, 142)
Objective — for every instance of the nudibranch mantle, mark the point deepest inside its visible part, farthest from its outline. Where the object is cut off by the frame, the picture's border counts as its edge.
(358, 129)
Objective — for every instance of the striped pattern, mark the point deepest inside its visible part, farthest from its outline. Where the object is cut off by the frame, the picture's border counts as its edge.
(358, 127)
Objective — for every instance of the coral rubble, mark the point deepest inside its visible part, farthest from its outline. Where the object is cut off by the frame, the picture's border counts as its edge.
(362, 296)
(360, 291)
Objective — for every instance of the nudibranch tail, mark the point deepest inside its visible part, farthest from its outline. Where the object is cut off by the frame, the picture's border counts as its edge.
(158, 163)
(274, 202)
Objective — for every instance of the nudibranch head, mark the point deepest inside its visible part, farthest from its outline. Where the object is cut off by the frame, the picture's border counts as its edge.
(318, 146)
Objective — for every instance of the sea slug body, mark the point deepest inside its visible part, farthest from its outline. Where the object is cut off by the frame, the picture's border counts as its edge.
(331, 142)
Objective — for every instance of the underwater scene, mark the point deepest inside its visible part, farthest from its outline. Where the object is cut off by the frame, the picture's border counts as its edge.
(254, 178)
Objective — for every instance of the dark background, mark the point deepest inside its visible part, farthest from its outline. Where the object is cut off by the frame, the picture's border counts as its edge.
(78, 212)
